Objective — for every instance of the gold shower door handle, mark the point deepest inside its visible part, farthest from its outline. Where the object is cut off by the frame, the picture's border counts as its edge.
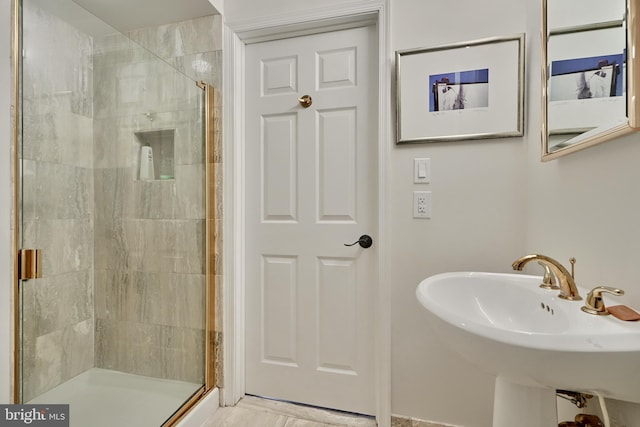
(29, 264)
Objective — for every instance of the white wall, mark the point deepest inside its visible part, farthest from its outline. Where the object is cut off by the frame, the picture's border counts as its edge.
(241, 10)
(478, 222)
(219, 5)
(5, 202)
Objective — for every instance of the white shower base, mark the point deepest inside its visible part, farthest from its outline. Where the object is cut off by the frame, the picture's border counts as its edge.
(104, 398)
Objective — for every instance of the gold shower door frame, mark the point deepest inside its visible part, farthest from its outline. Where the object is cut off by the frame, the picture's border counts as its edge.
(210, 245)
(210, 234)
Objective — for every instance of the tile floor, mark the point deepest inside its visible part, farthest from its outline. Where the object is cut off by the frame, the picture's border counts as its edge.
(256, 412)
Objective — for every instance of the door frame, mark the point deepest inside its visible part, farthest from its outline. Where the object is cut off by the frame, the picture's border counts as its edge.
(236, 37)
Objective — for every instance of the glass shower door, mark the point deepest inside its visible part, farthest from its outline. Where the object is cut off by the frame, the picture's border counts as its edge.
(56, 209)
(113, 168)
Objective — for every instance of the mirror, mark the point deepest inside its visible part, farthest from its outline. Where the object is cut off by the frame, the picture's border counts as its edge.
(589, 73)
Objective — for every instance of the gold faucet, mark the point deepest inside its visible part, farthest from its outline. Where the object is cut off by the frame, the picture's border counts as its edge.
(568, 289)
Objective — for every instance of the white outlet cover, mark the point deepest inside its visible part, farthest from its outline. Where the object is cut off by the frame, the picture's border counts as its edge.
(422, 204)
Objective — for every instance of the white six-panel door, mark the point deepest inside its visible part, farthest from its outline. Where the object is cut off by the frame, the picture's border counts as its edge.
(311, 186)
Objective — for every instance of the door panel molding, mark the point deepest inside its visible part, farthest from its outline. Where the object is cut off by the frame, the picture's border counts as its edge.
(237, 36)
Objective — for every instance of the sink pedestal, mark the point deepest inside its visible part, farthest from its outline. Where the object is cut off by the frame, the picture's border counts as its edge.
(523, 406)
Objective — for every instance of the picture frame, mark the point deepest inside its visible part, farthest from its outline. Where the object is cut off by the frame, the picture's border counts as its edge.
(463, 91)
(586, 87)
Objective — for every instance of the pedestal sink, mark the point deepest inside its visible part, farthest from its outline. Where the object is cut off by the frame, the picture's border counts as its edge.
(533, 341)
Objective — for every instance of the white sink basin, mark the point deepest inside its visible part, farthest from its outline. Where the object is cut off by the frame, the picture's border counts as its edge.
(507, 325)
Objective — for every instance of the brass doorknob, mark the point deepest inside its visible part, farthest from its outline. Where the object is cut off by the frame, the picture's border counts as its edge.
(305, 101)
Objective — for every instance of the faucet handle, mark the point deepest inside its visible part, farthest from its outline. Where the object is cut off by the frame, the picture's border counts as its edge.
(548, 280)
(595, 304)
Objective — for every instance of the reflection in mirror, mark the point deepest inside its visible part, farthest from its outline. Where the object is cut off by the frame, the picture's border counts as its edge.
(586, 98)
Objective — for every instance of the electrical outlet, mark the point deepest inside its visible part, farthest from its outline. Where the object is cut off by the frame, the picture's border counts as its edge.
(422, 204)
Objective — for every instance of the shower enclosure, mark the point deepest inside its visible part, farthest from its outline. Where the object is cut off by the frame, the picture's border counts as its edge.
(114, 194)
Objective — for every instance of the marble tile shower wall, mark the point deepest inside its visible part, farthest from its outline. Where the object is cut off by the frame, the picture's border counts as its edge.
(57, 204)
(149, 235)
(194, 47)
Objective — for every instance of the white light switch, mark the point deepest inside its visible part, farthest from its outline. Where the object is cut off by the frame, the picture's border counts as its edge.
(422, 171)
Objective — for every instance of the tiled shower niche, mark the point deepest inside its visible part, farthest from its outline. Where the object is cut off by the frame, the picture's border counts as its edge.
(159, 146)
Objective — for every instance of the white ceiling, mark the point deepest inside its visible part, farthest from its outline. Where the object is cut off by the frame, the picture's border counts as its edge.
(126, 15)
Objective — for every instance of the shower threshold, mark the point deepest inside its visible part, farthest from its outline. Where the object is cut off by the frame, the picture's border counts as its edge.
(105, 398)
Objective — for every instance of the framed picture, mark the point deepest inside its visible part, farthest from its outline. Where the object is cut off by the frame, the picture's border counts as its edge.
(468, 90)
(586, 86)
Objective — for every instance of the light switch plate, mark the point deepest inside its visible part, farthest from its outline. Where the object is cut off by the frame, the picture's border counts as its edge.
(421, 170)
